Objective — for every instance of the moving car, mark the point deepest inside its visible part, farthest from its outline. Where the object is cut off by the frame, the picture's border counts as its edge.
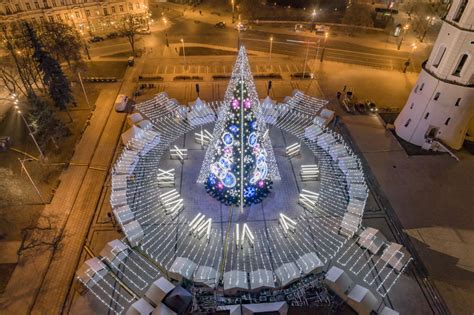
(241, 27)
(96, 39)
(143, 31)
(220, 25)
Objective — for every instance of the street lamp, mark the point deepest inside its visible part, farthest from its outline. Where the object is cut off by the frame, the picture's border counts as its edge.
(405, 28)
(184, 52)
(233, 9)
(313, 16)
(305, 60)
(326, 35)
(271, 46)
(30, 131)
(166, 33)
(407, 63)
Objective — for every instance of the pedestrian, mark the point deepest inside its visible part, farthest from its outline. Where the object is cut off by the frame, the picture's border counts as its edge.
(344, 89)
(336, 120)
(200, 13)
(338, 95)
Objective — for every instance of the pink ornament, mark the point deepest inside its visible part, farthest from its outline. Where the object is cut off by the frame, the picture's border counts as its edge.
(235, 104)
(220, 185)
(261, 183)
(247, 104)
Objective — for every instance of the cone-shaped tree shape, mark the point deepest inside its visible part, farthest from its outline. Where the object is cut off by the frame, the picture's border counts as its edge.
(239, 165)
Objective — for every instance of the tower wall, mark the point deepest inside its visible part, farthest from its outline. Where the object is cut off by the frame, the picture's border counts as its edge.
(441, 103)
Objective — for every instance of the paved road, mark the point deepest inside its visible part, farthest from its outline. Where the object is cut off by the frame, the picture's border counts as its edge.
(258, 40)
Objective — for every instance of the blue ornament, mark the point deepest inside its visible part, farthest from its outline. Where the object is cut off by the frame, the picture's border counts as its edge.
(229, 180)
(252, 139)
(227, 138)
(234, 129)
(212, 179)
(249, 192)
(253, 125)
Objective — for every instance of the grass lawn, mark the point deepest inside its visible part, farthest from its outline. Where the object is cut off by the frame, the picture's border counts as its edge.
(106, 69)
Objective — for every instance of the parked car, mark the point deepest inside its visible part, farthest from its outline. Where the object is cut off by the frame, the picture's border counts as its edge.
(112, 35)
(143, 31)
(299, 28)
(5, 143)
(360, 107)
(220, 25)
(321, 29)
(241, 27)
(121, 103)
(96, 39)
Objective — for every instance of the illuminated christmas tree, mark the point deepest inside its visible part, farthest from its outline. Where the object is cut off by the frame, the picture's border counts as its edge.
(240, 165)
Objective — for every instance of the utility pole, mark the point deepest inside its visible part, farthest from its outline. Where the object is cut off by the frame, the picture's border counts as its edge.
(23, 168)
(305, 60)
(30, 132)
(271, 44)
(84, 90)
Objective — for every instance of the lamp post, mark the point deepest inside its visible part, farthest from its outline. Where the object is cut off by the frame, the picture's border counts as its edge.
(271, 46)
(405, 28)
(305, 59)
(30, 131)
(313, 16)
(165, 21)
(408, 62)
(326, 35)
(233, 10)
(85, 44)
(83, 89)
(184, 52)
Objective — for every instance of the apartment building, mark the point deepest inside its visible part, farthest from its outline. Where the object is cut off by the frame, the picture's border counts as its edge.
(88, 16)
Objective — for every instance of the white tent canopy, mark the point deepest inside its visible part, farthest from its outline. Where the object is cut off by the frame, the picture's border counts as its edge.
(235, 280)
(158, 290)
(182, 267)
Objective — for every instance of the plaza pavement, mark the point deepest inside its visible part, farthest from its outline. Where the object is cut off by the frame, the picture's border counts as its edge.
(433, 207)
(433, 197)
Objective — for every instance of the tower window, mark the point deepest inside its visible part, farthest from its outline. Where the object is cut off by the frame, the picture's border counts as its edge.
(461, 63)
(447, 121)
(411, 105)
(462, 6)
(458, 101)
(439, 56)
(422, 86)
(408, 122)
(416, 89)
(427, 115)
(437, 95)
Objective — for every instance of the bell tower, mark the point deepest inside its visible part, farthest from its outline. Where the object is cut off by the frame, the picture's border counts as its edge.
(441, 104)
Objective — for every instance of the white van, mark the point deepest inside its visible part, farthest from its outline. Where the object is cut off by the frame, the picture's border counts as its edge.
(121, 103)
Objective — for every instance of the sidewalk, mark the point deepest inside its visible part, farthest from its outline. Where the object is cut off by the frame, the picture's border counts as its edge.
(41, 282)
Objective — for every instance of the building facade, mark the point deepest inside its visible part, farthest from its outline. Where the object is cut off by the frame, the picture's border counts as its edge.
(88, 16)
(441, 104)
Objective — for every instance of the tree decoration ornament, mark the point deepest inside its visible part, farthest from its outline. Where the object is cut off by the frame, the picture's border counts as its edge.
(239, 165)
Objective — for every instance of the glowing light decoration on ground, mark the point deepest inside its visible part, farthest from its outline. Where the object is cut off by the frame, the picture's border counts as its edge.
(239, 166)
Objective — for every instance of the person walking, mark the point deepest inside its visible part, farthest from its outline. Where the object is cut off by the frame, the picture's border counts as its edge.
(338, 95)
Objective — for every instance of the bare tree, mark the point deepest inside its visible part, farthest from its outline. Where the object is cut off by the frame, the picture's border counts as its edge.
(358, 14)
(41, 236)
(128, 27)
